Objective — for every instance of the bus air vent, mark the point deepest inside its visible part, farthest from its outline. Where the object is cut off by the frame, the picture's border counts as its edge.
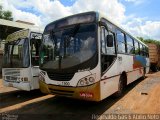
(60, 76)
(61, 92)
(12, 72)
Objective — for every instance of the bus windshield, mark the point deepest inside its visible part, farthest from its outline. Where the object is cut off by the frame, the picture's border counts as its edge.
(16, 54)
(68, 47)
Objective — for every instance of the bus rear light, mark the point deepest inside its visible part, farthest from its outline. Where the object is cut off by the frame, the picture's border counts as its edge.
(87, 80)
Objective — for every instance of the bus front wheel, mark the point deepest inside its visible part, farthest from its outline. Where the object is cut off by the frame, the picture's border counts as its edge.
(121, 85)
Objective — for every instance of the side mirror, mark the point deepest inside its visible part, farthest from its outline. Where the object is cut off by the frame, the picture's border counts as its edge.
(109, 40)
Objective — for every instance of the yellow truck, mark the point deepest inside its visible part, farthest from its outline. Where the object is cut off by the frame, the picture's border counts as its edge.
(154, 55)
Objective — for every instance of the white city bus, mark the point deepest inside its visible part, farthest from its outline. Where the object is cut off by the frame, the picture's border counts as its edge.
(21, 59)
(88, 57)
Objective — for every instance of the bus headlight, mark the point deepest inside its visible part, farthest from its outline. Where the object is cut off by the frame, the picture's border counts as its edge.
(88, 80)
(91, 79)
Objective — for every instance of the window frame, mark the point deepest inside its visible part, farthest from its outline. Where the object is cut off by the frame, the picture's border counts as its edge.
(118, 30)
(114, 29)
(136, 47)
(103, 29)
(128, 36)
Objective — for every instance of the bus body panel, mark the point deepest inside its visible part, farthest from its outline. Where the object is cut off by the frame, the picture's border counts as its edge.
(110, 80)
(20, 78)
(147, 65)
(108, 86)
(120, 65)
(133, 69)
(105, 84)
(21, 86)
(134, 75)
(90, 93)
(73, 82)
(34, 75)
(75, 79)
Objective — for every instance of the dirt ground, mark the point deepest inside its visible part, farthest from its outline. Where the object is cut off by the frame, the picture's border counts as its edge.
(140, 97)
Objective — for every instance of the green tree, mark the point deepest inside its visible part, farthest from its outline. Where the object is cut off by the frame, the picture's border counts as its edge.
(0, 11)
(149, 40)
(7, 15)
(141, 39)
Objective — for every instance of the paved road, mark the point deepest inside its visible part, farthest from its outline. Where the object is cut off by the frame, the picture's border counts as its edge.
(140, 97)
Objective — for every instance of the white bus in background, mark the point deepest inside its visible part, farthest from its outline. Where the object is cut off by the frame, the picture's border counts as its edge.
(86, 56)
(21, 59)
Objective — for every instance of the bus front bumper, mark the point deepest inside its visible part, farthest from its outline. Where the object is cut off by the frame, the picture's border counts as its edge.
(20, 85)
(89, 93)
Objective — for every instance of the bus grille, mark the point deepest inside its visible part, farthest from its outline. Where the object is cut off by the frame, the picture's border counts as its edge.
(11, 75)
(62, 92)
(60, 77)
(12, 72)
(11, 79)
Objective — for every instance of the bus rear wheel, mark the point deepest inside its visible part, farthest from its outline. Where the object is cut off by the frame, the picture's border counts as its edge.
(121, 86)
(144, 73)
(154, 68)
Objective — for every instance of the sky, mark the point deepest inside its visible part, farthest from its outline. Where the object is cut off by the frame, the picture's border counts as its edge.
(139, 17)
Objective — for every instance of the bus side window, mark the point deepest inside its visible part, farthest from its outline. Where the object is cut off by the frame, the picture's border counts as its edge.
(110, 50)
(144, 52)
(121, 42)
(141, 49)
(130, 45)
(107, 53)
(103, 43)
(35, 46)
(136, 45)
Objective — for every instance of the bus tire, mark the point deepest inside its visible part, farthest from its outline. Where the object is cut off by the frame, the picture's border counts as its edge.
(121, 85)
(144, 73)
(154, 68)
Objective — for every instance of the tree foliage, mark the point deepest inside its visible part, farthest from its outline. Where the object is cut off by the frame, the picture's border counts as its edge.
(7, 15)
(149, 40)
